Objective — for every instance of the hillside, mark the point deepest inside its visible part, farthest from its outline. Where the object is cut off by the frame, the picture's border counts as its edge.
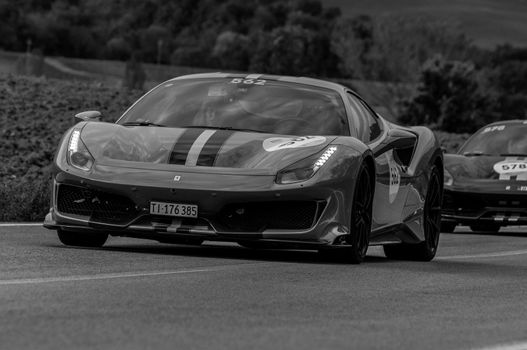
(34, 113)
(488, 22)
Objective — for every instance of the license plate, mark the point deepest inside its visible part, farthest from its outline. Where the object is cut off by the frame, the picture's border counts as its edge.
(174, 209)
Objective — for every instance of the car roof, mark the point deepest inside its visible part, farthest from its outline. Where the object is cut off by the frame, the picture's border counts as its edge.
(507, 122)
(289, 79)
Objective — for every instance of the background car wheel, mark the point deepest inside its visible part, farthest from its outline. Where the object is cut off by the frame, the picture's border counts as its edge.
(359, 239)
(448, 226)
(82, 239)
(487, 228)
(426, 250)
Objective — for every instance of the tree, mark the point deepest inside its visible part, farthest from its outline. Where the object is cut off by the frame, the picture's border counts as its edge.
(352, 41)
(288, 50)
(506, 79)
(393, 48)
(448, 98)
(232, 51)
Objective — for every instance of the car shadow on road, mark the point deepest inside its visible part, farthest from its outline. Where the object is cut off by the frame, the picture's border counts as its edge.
(481, 268)
(498, 234)
(235, 252)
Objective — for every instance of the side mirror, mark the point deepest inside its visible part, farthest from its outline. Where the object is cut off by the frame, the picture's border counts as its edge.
(88, 116)
(397, 139)
(401, 138)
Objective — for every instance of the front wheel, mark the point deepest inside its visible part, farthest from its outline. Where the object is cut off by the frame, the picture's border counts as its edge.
(82, 239)
(361, 217)
(426, 250)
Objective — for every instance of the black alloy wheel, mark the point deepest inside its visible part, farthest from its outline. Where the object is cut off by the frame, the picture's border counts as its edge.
(426, 250)
(361, 216)
(432, 214)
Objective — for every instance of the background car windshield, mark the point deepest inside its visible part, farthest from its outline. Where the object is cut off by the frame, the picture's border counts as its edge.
(251, 104)
(498, 140)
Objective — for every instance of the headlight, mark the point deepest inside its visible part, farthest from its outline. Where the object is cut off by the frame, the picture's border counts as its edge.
(306, 168)
(449, 179)
(78, 155)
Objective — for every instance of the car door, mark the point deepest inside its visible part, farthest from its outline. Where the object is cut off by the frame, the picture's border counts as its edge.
(392, 180)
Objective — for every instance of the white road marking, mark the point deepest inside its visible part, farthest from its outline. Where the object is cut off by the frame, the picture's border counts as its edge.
(21, 224)
(485, 255)
(109, 276)
(511, 346)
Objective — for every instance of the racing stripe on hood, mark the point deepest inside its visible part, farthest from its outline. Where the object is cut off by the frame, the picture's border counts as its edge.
(197, 146)
(212, 148)
(183, 145)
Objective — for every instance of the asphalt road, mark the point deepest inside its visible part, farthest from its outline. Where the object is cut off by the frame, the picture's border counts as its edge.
(135, 294)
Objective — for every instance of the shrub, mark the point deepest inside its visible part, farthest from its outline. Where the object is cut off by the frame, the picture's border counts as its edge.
(34, 113)
(448, 98)
(25, 199)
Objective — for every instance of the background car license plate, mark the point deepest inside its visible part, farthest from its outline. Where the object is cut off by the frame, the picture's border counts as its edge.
(174, 209)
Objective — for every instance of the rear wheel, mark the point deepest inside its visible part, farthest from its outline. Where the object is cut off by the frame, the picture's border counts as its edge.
(359, 239)
(448, 226)
(82, 239)
(486, 228)
(426, 250)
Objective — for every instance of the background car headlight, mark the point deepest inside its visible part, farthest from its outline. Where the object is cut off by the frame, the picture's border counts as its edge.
(78, 155)
(449, 179)
(306, 168)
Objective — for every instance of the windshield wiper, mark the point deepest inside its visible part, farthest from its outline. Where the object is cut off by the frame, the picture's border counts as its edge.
(513, 155)
(142, 123)
(222, 128)
(476, 154)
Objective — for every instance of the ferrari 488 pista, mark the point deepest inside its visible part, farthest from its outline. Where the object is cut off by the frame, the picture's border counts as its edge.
(486, 181)
(263, 161)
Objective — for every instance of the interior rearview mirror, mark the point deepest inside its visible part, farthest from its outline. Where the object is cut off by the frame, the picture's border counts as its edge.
(88, 116)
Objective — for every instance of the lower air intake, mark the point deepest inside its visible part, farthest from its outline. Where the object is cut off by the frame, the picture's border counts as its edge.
(100, 206)
(256, 217)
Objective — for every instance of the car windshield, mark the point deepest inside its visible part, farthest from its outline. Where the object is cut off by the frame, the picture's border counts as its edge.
(242, 104)
(504, 139)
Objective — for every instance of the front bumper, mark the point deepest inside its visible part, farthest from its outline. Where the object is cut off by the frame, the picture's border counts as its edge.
(120, 207)
(474, 207)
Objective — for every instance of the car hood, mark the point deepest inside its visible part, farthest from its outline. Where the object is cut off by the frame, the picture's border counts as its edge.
(486, 168)
(162, 147)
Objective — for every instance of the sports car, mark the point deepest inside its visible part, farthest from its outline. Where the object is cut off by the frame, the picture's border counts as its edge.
(264, 161)
(486, 181)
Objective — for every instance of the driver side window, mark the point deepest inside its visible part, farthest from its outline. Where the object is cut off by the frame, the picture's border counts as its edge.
(368, 126)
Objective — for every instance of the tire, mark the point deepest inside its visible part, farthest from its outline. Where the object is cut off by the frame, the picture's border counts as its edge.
(486, 228)
(426, 250)
(82, 239)
(448, 226)
(361, 216)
